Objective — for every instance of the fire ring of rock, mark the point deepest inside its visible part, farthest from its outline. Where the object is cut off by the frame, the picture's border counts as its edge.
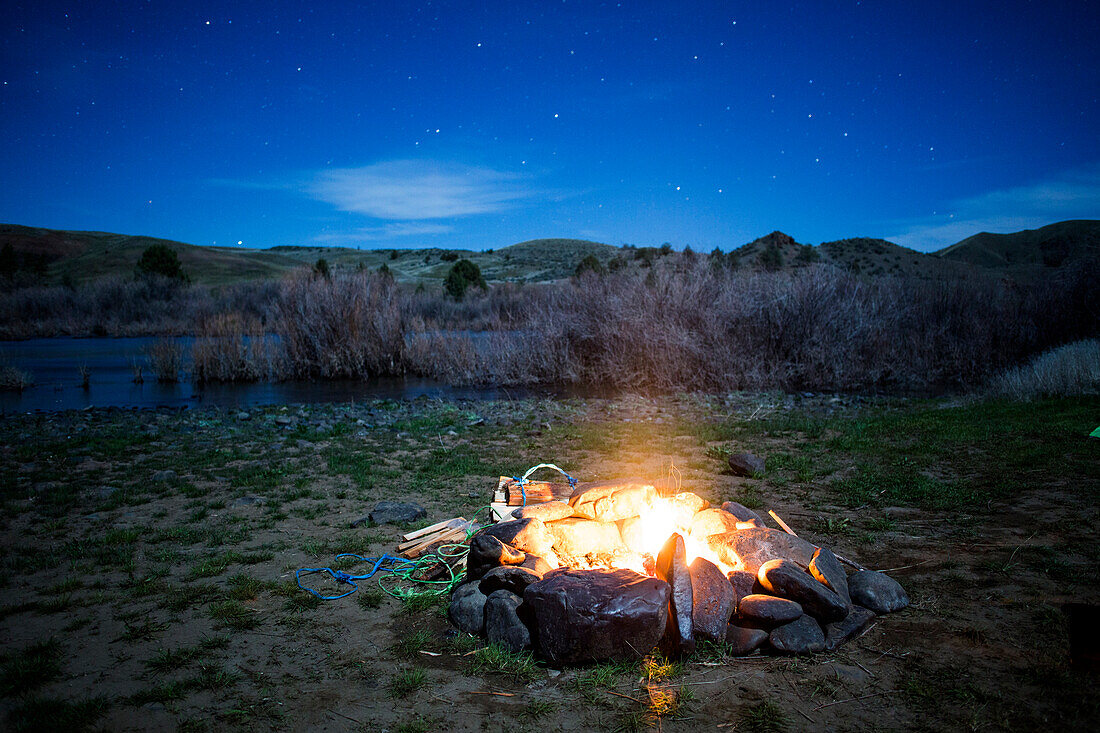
(620, 570)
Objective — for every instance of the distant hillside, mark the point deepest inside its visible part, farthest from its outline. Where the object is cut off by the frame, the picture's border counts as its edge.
(1032, 249)
(56, 256)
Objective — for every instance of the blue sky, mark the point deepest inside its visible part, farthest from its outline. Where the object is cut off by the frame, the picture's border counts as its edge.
(478, 125)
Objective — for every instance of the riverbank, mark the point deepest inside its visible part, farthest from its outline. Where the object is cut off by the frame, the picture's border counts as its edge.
(150, 556)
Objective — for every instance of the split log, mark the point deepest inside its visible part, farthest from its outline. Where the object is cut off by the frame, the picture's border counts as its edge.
(438, 526)
(439, 529)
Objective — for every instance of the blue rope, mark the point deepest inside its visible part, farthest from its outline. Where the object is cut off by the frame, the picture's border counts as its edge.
(522, 480)
(399, 564)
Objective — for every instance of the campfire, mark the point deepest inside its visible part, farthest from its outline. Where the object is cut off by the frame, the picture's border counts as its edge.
(612, 570)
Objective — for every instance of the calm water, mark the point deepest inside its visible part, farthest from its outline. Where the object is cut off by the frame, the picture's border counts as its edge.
(55, 365)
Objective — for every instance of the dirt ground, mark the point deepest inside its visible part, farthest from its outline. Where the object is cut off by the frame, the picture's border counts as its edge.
(149, 558)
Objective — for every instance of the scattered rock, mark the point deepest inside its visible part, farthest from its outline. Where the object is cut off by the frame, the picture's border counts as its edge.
(467, 609)
(166, 475)
(712, 521)
(789, 580)
(547, 512)
(838, 632)
(743, 640)
(488, 552)
(801, 636)
(284, 421)
(513, 578)
(768, 611)
(826, 568)
(712, 600)
(610, 501)
(502, 623)
(390, 512)
(247, 500)
(579, 537)
(679, 636)
(742, 512)
(876, 591)
(596, 615)
(751, 548)
(244, 416)
(536, 564)
(746, 464)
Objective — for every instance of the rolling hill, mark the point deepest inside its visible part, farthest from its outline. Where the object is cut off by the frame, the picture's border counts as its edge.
(1029, 250)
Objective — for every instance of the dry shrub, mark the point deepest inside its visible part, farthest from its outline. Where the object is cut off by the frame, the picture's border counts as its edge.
(14, 379)
(234, 348)
(165, 359)
(1073, 369)
(349, 325)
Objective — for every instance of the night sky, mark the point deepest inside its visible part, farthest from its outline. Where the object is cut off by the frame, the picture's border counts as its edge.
(478, 125)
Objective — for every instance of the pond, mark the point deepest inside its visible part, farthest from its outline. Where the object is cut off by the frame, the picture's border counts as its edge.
(55, 365)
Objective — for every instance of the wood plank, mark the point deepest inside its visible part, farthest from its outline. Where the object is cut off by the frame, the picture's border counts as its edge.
(435, 541)
(446, 527)
(433, 528)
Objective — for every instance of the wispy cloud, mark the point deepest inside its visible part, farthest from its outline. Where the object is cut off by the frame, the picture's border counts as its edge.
(1072, 195)
(410, 190)
(387, 231)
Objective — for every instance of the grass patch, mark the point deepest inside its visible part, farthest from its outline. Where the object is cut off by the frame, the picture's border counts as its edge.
(495, 659)
(234, 615)
(764, 717)
(407, 681)
(30, 668)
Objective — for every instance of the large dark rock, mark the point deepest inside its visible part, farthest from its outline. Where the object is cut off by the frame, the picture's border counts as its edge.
(467, 609)
(746, 464)
(502, 622)
(744, 640)
(679, 637)
(878, 592)
(610, 501)
(508, 577)
(788, 579)
(767, 611)
(547, 512)
(801, 636)
(536, 564)
(526, 535)
(712, 601)
(389, 512)
(742, 512)
(751, 548)
(744, 584)
(596, 615)
(712, 521)
(838, 632)
(580, 537)
(488, 552)
(826, 568)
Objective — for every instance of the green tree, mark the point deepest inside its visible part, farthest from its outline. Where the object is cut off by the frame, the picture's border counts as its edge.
(463, 275)
(321, 268)
(590, 263)
(160, 259)
(771, 258)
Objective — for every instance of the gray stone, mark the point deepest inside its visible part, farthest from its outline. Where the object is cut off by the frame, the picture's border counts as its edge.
(488, 552)
(390, 512)
(788, 579)
(610, 501)
(744, 584)
(467, 609)
(768, 611)
(801, 636)
(876, 591)
(284, 421)
(712, 601)
(502, 622)
(244, 416)
(166, 475)
(743, 640)
(838, 632)
(751, 548)
(746, 464)
(546, 512)
(712, 521)
(247, 500)
(826, 568)
(527, 535)
(742, 512)
(585, 616)
(679, 636)
(580, 537)
(508, 577)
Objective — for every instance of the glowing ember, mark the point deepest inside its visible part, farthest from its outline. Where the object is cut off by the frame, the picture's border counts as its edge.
(646, 534)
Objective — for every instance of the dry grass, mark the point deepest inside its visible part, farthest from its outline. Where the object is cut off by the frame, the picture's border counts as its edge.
(1070, 370)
